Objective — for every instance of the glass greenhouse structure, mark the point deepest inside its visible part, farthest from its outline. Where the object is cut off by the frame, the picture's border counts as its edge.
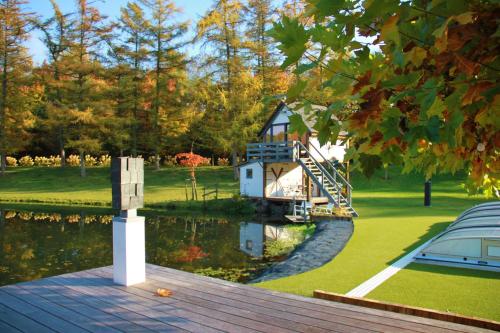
(473, 239)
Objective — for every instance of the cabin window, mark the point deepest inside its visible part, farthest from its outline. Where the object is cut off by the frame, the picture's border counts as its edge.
(279, 133)
(249, 173)
(268, 135)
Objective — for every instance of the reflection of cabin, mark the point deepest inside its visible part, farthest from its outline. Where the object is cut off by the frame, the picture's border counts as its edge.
(288, 168)
(253, 236)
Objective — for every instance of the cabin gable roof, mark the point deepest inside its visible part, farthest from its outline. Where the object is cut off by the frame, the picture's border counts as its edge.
(309, 119)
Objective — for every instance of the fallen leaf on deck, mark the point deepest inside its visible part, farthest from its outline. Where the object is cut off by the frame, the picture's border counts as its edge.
(163, 292)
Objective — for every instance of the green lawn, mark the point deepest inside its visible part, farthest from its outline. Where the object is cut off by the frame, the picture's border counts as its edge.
(392, 222)
(65, 186)
(467, 291)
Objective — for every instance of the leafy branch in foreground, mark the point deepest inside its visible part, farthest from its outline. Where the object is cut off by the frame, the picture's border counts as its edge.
(423, 75)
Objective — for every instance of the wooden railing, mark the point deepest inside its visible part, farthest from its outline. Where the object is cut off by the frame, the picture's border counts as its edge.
(271, 151)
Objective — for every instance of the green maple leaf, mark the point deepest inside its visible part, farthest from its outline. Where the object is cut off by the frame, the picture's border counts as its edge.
(297, 124)
(432, 130)
(369, 164)
(437, 108)
(292, 36)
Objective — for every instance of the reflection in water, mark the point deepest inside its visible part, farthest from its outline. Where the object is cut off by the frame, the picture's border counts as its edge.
(256, 239)
(36, 245)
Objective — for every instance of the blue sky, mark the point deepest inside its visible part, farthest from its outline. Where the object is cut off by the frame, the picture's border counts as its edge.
(192, 10)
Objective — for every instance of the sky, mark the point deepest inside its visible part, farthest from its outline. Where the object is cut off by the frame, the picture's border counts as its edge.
(191, 10)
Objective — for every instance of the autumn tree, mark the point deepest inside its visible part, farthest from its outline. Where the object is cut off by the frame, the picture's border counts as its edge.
(424, 74)
(168, 63)
(89, 111)
(16, 92)
(132, 53)
(56, 37)
(220, 32)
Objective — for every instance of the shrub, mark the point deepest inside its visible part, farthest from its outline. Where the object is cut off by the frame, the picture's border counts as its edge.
(105, 160)
(90, 160)
(55, 160)
(206, 161)
(151, 160)
(26, 161)
(11, 161)
(221, 161)
(73, 160)
(42, 161)
(170, 161)
(25, 216)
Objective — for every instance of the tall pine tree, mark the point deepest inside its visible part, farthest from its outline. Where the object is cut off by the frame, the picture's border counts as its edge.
(88, 107)
(56, 37)
(15, 66)
(167, 63)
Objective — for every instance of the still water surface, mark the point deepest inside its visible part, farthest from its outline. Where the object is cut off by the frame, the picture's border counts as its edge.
(35, 245)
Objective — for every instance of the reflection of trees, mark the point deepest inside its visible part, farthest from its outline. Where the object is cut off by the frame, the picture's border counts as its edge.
(39, 247)
(34, 245)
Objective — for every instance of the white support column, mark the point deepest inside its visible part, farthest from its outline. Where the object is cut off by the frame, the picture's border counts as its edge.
(129, 253)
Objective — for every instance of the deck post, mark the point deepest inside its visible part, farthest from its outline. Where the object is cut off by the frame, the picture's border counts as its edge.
(129, 250)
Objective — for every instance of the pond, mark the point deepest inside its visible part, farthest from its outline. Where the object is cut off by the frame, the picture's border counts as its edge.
(34, 245)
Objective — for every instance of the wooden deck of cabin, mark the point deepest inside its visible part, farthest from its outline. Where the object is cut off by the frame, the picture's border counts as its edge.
(89, 301)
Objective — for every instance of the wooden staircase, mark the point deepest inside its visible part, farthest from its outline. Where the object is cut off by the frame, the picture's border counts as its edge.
(327, 177)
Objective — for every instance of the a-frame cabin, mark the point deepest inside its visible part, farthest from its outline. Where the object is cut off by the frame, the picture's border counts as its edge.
(288, 168)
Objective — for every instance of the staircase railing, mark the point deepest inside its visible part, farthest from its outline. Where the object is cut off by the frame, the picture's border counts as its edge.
(336, 174)
(335, 179)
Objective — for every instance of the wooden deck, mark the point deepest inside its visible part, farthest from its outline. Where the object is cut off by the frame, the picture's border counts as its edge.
(88, 301)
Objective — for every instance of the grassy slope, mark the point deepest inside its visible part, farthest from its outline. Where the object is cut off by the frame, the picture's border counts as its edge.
(393, 222)
(64, 186)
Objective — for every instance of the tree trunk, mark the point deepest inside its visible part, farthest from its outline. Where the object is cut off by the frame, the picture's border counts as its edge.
(234, 157)
(3, 107)
(3, 163)
(63, 157)
(61, 148)
(83, 172)
(157, 161)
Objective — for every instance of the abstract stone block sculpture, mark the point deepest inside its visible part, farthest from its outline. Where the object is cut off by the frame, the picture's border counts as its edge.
(127, 181)
(129, 256)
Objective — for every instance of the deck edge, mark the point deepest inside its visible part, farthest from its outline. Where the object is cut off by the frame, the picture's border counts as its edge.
(409, 310)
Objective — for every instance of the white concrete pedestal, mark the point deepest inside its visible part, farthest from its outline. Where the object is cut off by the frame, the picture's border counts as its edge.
(129, 250)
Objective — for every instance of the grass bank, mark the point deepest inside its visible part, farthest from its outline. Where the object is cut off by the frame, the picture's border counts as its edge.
(393, 222)
(164, 189)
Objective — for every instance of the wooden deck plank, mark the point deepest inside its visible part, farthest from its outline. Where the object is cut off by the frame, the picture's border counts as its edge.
(107, 305)
(209, 316)
(242, 317)
(90, 301)
(59, 311)
(153, 310)
(23, 323)
(242, 307)
(304, 314)
(47, 320)
(318, 304)
(6, 328)
(53, 293)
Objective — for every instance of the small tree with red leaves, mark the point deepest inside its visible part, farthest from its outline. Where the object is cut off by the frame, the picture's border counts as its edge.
(191, 160)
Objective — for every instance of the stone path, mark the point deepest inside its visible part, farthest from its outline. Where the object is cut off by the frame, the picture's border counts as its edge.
(328, 240)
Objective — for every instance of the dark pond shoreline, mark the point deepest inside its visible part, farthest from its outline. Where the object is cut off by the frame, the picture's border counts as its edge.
(49, 240)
